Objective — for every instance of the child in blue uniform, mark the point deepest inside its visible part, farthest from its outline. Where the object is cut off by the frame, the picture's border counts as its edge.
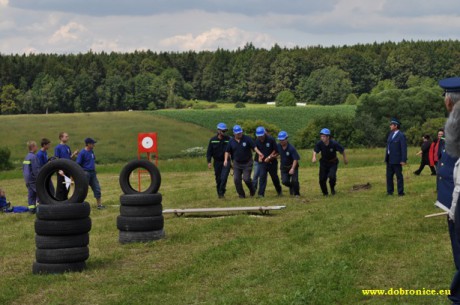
(62, 151)
(87, 160)
(30, 170)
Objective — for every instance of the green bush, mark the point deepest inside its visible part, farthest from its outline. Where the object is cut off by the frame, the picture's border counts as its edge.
(345, 129)
(201, 106)
(430, 127)
(249, 127)
(285, 99)
(240, 105)
(5, 163)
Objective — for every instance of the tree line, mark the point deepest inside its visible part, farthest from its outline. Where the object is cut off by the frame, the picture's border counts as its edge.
(41, 83)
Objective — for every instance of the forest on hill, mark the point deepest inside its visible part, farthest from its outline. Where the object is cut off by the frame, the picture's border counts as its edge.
(47, 83)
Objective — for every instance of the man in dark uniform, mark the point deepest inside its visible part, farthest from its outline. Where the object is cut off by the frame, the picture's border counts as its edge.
(216, 150)
(289, 164)
(267, 162)
(445, 186)
(62, 151)
(395, 157)
(240, 148)
(329, 162)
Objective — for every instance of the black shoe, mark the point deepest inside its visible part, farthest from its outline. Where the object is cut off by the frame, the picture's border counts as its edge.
(100, 207)
(400, 195)
(32, 211)
(433, 174)
(332, 192)
(417, 173)
(241, 196)
(325, 194)
(252, 193)
(389, 194)
(280, 194)
(221, 196)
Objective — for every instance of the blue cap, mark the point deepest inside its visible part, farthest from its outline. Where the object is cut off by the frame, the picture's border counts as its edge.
(282, 135)
(222, 126)
(451, 84)
(395, 121)
(90, 141)
(325, 131)
(237, 129)
(260, 131)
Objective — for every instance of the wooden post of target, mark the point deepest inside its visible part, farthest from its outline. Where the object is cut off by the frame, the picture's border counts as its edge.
(146, 143)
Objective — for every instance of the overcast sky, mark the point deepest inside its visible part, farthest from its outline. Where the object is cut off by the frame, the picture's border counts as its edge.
(73, 26)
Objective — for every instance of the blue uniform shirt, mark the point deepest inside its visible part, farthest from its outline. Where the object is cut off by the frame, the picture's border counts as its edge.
(30, 168)
(328, 152)
(62, 151)
(288, 156)
(445, 179)
(87, 160)
(42, 156)
(242, 151)
(267, 146)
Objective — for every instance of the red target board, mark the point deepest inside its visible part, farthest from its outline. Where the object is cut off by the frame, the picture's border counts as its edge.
(147, 142)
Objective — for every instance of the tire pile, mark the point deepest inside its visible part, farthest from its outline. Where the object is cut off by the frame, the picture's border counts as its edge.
(141, 213)
(62, 227)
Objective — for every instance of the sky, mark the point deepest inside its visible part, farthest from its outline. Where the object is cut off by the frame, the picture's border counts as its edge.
(78, 26)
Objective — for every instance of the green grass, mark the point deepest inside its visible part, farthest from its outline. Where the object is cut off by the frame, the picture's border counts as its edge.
(290, 119)
(116, 133)
(316, 251)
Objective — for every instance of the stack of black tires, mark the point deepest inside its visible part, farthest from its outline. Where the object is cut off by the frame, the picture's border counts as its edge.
(62, 227)
(141, 213)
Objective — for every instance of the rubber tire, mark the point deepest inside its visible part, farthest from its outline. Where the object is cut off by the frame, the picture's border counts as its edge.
(141, 211)
(141, 199)
(65, 211)
(62, 227)
(39, 268)
(58, 242)
(140, 237)
(74, 170)
(62, 256)
(155, 177)
(153, 223)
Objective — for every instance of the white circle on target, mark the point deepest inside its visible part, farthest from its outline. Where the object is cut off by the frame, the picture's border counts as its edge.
(147, 142)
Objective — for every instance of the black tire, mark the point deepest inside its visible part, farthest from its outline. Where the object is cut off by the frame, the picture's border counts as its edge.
(155, 177)
(153, 223)
(62, 227)
(39, 268)
(136, 237)
(65, 211)
(141, 211)
(62, 256)
(141, 199)
(58, 242)
(68, 166)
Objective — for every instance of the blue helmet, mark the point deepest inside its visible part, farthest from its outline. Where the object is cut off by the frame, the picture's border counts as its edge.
(260, 131)
(283, 135)
(325, 131)
(222, 126)
(237, 129)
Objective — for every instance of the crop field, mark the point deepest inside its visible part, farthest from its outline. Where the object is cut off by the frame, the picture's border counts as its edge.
(290, 119)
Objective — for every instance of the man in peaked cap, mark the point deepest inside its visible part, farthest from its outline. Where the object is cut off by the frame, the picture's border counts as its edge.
(395, 157)
(445, 186)
(216, 150)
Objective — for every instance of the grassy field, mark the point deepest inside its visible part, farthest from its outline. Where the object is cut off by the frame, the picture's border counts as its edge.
(116, 133)
(317, 251)
(290, 119)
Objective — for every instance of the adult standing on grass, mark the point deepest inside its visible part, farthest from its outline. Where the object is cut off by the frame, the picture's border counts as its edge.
(268, 164)
(395, 157)
(216, 151)
(436, 148)
(240, 148)
(445, 177)
(62, 151)
(30, 168)
(289, 164)
(424, 153)
(87, 160)
(329, 163)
